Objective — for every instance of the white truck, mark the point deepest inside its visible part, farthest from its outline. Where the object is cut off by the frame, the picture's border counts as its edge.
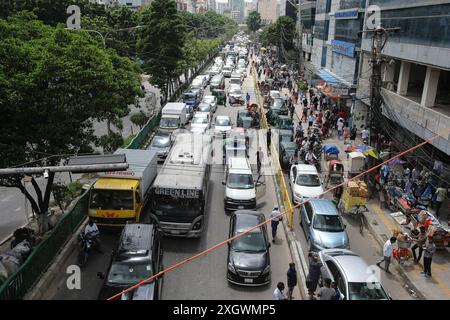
(173, 116)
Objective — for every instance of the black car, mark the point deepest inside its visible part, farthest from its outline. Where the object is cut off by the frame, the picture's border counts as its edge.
(138, 257)
(248, 255)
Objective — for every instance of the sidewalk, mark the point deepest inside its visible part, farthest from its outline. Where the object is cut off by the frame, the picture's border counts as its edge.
(381, 224)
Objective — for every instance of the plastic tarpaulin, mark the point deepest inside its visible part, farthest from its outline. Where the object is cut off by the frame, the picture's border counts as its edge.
(330, 149)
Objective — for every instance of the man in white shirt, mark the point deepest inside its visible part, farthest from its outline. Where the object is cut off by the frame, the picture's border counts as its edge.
(91, 230)
(278, 293)
(365, 134)
(275, 221)
(387, 253)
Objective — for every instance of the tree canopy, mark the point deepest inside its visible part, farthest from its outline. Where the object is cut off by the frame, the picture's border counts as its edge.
(254, 21)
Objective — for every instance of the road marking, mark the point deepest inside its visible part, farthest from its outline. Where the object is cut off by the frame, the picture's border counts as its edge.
(18, 209)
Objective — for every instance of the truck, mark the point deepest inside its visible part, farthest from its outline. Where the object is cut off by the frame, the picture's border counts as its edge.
(173, 116)
(120, 196)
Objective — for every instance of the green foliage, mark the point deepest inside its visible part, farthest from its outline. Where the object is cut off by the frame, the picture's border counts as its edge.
(110, 142)
(254, 21)
(161, 41)
(280, 34)
(139, 119)
(127, 141)
(65, 193)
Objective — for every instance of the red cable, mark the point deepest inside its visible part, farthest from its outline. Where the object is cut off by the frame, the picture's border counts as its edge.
(269, 220)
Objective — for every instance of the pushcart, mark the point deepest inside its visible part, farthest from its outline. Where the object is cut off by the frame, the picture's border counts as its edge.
(335, 173)
(402, 253)
(356, 163)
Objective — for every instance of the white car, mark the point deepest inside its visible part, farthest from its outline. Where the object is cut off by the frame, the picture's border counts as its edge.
(212, 100)
(198, 83)
(227, 70)
(222, 125)
(275, 94)
(305, 182)
(200, 122)
(213, 71)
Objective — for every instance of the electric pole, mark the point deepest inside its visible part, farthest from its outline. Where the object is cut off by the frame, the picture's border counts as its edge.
(379, 39)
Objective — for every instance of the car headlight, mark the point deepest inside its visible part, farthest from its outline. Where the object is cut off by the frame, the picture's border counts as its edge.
(231, 268)
(266, 270)
(298, 195)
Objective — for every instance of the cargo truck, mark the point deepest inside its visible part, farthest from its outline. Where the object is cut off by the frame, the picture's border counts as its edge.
(173, 116)
(120, 196)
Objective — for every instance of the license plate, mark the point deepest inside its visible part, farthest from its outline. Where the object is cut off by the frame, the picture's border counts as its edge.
(248, 280)
(175, 232)
(240, 207)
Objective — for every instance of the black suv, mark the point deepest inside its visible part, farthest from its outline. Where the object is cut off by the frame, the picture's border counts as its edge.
(248, 255)
(138, 257)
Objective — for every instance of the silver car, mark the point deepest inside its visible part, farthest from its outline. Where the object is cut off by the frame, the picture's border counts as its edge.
(212, 101)
(323, 225)
(354, 278)
(161, 143)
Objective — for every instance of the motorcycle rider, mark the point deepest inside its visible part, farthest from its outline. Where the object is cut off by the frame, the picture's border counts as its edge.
(310, 157)
(91, 232)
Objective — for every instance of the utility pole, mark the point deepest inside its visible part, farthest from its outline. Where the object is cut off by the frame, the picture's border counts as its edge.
(379, 39)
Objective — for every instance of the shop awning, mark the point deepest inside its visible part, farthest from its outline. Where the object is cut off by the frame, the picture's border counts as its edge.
(328, 78)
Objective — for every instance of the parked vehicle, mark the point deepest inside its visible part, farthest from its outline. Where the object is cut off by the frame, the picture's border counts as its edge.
(349, 271)
(227, 70)
(180, 191)
(161, 144)
(120, 196)
(191, 98)
(212, 101)
(323, 225)
(286, 152)
(201, 122)
(248, 256)
(222, 125)
(173, 116)
(235, 95)
(138, 257)
(305, 182)
(218, 82)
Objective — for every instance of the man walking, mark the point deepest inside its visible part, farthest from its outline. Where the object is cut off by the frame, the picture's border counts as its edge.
(291, 280)
(430, 249)
(278, 293)
(275, 221)
(440, 197)
(419, 243)
(326, 292)
(259, 157)
(387, 253)
(312, 279)
(269, 140)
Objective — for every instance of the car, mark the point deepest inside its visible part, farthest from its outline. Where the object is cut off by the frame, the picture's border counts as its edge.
(199, 91)
(200, 122)
(274, 94)
(222, 125)
(240, 115)
(323, 225)
(305, 182)
(248, 256)
(213, 70)
(227, 70)
(283, 122)
(235, 79)
(197, 83)
(217, 82)
(278, 103)
(138, 257)
(212, 101)
(350, 272)
(287, 150)
(204, 107)
(242, 71)
(192, 98)
(161, 143)
(235, 95)
(285, 136)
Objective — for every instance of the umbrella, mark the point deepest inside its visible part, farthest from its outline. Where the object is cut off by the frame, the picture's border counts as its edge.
(364, 147)
(369, 151)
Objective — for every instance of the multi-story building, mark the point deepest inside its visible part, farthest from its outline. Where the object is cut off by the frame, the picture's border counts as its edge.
(132, 4)
(237, 10)
(307, 18)
(416, 76)
(222, 6)
(268, 9)
(249, 6)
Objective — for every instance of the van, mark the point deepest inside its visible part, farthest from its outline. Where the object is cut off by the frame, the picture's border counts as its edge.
(235, 79)
(138, 257)
(242, 188)
(173, 116)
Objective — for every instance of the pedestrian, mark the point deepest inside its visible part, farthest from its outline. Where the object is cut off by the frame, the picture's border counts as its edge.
(305, 114)
(430, 249)
(161, 101)
(269, 140)
(387, 253)
(275, 221)
(314, 273)
(259, 157)
(311, 120)
(337, 295)
(326, 292)
(440, 195)
(291, 280)
(415, 173)
(353, 134)
(365, 135)
(224, 99)
(247, 98)
(346, 133)
(259, 73)
(305, 103)
(278, 293)
(419, 240)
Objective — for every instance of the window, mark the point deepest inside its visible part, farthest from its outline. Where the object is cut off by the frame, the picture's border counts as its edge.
(328, 223)
(324, 57)
(308, 180)
(125, 273)
(252, 241)
(112, 200)
(309, 211)
(333, 269)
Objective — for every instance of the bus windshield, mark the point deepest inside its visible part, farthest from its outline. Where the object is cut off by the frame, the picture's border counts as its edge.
(111, 200)
(164, 205)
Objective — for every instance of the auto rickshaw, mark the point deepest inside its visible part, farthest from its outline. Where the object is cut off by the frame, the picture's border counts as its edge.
(220, 95)
(286, 152)
(284, 122)
(335, 173)
(285, 136)
(240, 115)
(330, 153)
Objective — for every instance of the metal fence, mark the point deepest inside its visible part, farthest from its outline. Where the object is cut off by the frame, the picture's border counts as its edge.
(142, 136)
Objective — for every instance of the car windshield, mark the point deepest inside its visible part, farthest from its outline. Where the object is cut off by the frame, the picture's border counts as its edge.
(366, 291)
(222, 122)
(169, 122)
(252, 241)
(235, 91)
(308, 180)
(125, 273)
(277, 104)
(208, 99)
(189, 96)
(240, 181)
(328, 223)
(200, 120)
(160, 142)
(111, 199)
(286, 138)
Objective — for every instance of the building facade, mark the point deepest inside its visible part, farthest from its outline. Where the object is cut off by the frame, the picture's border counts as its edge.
(249, 6)
(268, 9)
(416, 75)
(237, 10)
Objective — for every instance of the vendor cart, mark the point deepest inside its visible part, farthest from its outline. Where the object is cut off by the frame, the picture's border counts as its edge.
(356, 163)
(330, 153)
(403, 252)
(335, 173)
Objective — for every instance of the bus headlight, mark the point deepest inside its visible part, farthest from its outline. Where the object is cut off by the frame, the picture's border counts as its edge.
(197, 225)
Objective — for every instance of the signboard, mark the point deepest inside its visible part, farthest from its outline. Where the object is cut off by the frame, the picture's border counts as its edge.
(344, 48)
(178, 193)
(334, 91)
(347, 14)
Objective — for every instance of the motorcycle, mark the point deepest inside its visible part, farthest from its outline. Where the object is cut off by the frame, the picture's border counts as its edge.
(86, 242)
(313, 161)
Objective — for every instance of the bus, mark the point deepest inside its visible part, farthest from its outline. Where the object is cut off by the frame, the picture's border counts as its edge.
(180, 191)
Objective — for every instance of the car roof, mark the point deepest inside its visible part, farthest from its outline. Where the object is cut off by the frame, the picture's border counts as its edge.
(223, 117)
(324, 207)
(209, 96)
(289, 144)
(246, 219)
(306, 168)
(286, 132)
(135, 241)
(354, 267)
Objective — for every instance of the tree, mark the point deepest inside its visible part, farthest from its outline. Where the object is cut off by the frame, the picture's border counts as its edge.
(254, 21)
(280, 34)
(160, 43)
(139, 119)
(53, 82)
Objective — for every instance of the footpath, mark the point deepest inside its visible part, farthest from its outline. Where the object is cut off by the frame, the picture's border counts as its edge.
(381, 223)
